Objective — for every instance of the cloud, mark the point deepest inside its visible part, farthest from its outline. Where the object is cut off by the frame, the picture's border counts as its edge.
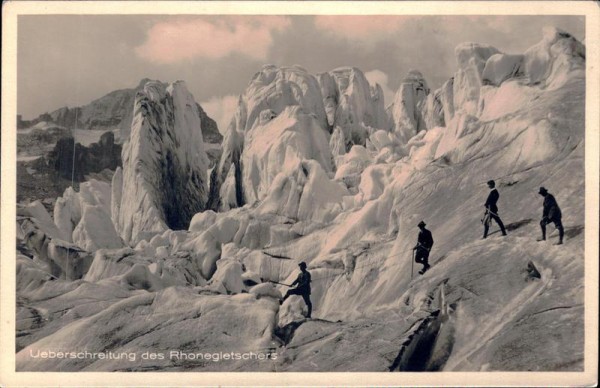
(361, 28)
(221, 109)
(381, 78)
(187, 39)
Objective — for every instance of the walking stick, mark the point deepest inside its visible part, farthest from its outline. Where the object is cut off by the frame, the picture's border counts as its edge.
(412, 263)
(283, 284)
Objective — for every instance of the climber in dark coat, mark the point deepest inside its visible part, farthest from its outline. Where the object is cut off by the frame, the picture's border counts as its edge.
(491, 210)
(423, 247)
(302, 288)
(551, 213)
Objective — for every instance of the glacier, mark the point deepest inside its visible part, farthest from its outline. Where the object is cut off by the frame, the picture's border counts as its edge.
(175, 255)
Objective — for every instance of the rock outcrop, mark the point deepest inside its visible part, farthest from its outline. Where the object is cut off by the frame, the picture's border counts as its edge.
(106, 154)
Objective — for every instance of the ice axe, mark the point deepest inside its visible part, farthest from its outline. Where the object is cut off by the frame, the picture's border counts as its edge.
(486, 217)
(283, 284)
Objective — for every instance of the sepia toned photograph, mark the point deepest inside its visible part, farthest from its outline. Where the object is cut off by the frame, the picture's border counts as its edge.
(279, 192)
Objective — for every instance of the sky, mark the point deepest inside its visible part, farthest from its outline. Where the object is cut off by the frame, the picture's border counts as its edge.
(70, 60)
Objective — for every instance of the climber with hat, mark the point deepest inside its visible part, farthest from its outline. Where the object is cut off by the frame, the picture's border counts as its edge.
(302, 288)
(491, 210)
(551, 213)
(423, 247)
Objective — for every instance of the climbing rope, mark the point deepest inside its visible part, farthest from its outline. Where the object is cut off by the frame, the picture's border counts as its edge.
(370, 263)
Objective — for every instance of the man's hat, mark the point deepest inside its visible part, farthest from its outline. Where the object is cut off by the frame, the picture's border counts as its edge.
(543, 190)
(302, 264)
(491, 182)
(422, 223)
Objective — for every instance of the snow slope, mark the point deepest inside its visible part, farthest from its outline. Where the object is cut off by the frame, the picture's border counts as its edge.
(499, 304)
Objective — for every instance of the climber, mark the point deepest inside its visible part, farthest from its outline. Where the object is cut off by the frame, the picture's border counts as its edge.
(551, 213)
(302, 288)
(491, 210)
(423, 247)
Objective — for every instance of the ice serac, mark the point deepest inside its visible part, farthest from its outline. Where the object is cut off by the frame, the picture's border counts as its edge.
(500, 67)
(447, 94)
(304, 192)
(276, 145)
(270, 92)
(433, 112)
(471, 58)
(415, 108)
(408, 106)
(352, 104)
(551, 60)
(287, 104)
(275, 88)
(41, 241)
(84, 217)
(438, 108)
(225, 186)
(164, 179)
